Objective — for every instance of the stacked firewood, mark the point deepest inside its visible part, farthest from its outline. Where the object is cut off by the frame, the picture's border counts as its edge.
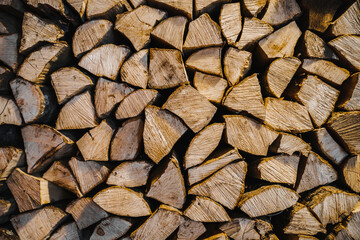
(179, 119)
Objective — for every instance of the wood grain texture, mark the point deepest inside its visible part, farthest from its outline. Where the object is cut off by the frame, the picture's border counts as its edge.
(8, 50)
(347, 47)
(289, 144)
(348, 22)
(240, 228)
(184, 7)
(237, 64)
(254, 7)
(66, 232)
(135, 70)
(110, 228)
(316, 47)
(351, 173)
(350, 94)
(231, 21)
(190, 230)
(10, 113)
(10, 158)
(207, 60)
(103, 8)
(212, 87)
(281, 11)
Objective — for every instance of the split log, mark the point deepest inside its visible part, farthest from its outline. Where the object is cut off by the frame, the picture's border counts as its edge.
(237, 64)
(348, 22)
(212, 87)
(65, 232)
(230, 21)
(203, 6)
(240, 228)
(254, 7)
(9, 113)
(47, 7)
(207, 60)
(137, 24)
(353, 223)
(219, 236)
(10, 158)
(122, 201)
(316, 47)
(190, 230)
(8, 50)
(289, 144)
(130, 174)
(279, 12)
(347, 47)
(103, 9)
(183, 7)
(79, 6)
(136, 3)
(248, 135)
(110, 228)
(350, 94)
(339, 232)
(5, 77)
(135, 70)
(264, 227)
(95, 144)
(351, 173)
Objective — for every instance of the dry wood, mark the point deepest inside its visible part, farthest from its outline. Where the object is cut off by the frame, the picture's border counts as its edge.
(212, 87)
(219, 236)
(207, 60)
(126, 143)
(203, 32)
(254, 7)
(110, 228)
(9, 113)
(122, 201)
(339, 232)
(5, 77)
(137, 24)
(351, 173)
(8, 50)
(135, 70)
(350, 94)
(316, 47)
(166, 69)
(248, 135)
(184, 7)
(190, 230)
(10, 158)
(88, 174)
(240, 228)
(281, 11)
(264, 227)
(352, 226)
(43, 145)
(79, 6)
(47, 7)
(237, 64)
(66, 232)
(347, 47)
(203, 6)
(103, 8)
(279, 74)
(230, 21)
(348, 22)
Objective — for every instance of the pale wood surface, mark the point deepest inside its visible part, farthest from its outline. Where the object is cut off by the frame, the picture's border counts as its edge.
(347, 47)
(351, 172)
(212, 87)
(66, 232)
(281, 11)
(348, 22)
(231, 21)
(8, 50)
(135, 70)
(190, 230)
(110, 228)
(10, 158)
(316, 47)
(240, 228)
(207, 60)
(350, 94)
(237, 64)
(10, 113)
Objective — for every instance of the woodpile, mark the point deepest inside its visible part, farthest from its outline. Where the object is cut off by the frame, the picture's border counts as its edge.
(179, 119)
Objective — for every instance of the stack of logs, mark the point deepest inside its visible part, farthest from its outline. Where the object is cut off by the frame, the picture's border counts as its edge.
(179, 119)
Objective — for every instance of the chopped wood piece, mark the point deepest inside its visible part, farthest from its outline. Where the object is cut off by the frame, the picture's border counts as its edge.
(279, 74)
(219, 236)
(167, 184)
(66, 232)
(122, 201)
(127, 141)
(110, 228)
(61, 175)
(90, 35)
(8, 50)
(347, 126)
(135, 4)
(160, 225)
(88, 174)
(237, 64)
(36, 30)
(281, 11)
(108, 94)
(103, 9)
(43, 145)
(130, 174)
(302, 221)
(231, 21)
(240, 228)
(135, 70)
(203, 144)
(254, 7)
(161, 131)
(339, 232)
(166, 69)
(248, 135)
(137, 24)
(328, 146)
(31, 192)
(204, 209)
(264, 226)
(350, 94)
(351, 173)
(5, 77)
(78, 113)
(85, 212)
(47, 7)
(9, 113)
(135, 103)
(347, 47)
(95, 144)
(212, 87)
(203, 32)
(38, 224)
(252, 31)
(202, 6)
(218, 161)
(289, 144)
(353, 224)
(184, 7)
(207, 60)
(192, 107)
(316, 47)
(267, 200)
(68, 82)
(280, 43)
(225, 186)
(171, 31)
(287, 116)
(10, 158)
(190, 230)
(348, 22)
(246, 97)
(105, 61)
(79, 6)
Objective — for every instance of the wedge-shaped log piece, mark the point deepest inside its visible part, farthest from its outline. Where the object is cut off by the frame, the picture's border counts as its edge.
(350, 94)
(137, 24)
(110, 228)
(248, 135)
(212, 87)
(281, 11)
(167, 184)
(206, 60)
(302, 221)
(252, 31)
(166, 69)
(219, 236)
(31, 192)
(79, 6)
(202, 6)
(351, 173)
(347, 126)
(122, 201)
(47, 7)
(130, 174)
(101, 32)
(38, 224)
(171, 31)
(68, 82)
(237, 64)
(246, 97)
(43, 145)
(135, 70)
(8, 50)
(225, 186)
(10, 158)
(105, 61)
(347, 47)
(61, 175)
(289, 144)
(254, 7)
(240, 228)
(103, 8)
(192, 107)
(267, 200)
(9, 113)
(184, 7)
(203, 209)
(279, 74)
(218, 161)
(44, 60)
(160, 225)
(95, 144)
(287, 116)
(348, 22)
(190, 230)
(161, 131)
(127, 141)
(203, 32)
(36, 30)
(66, 231)
(353, 223)
(339, 232)
(88, 174)
(231, 21)
(134, 104)
(316, 47)
(78, 113)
